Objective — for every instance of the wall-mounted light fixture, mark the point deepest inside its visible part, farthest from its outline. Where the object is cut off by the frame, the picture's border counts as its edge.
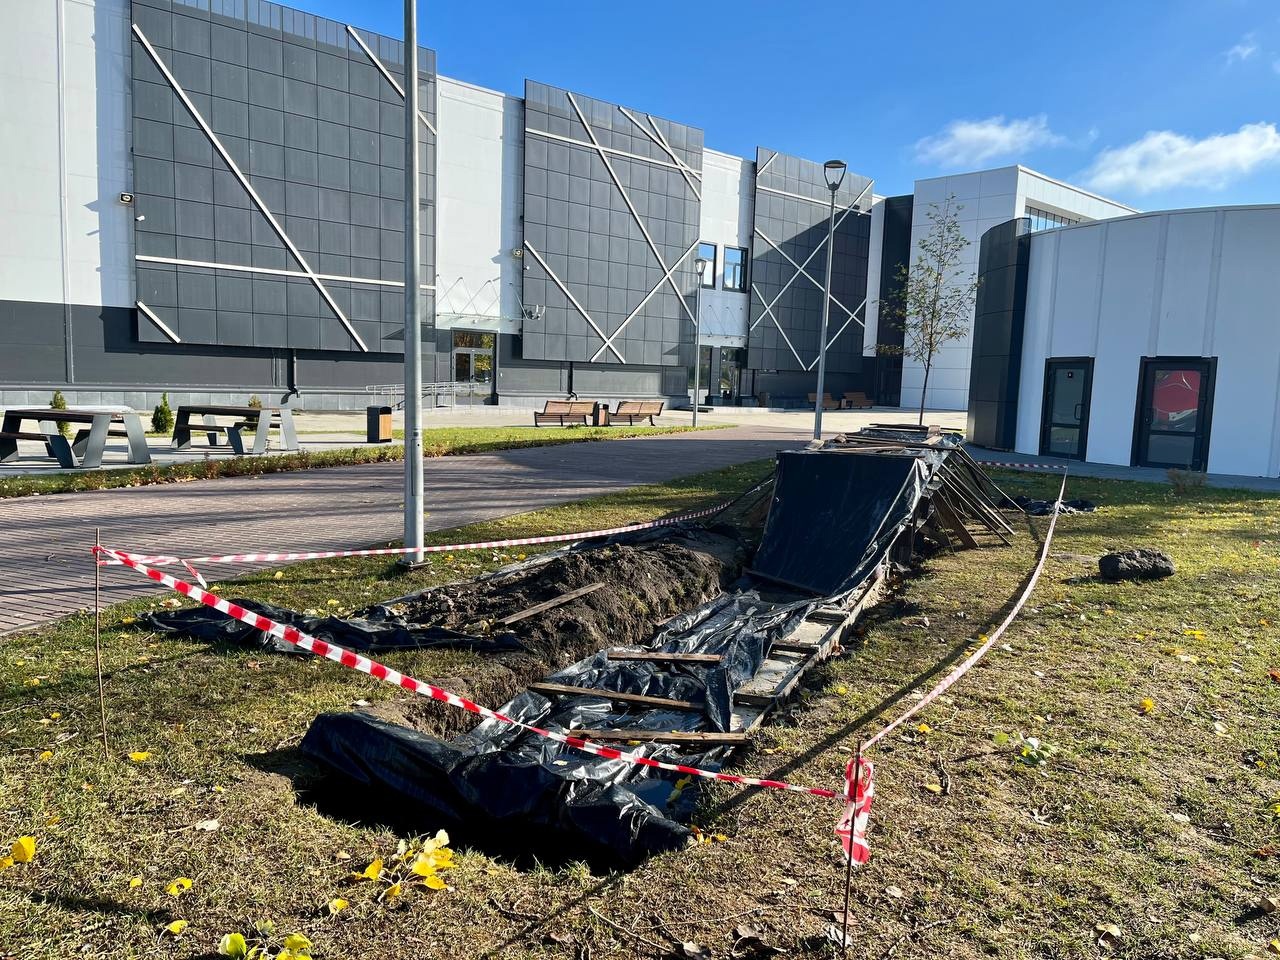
(126, 198)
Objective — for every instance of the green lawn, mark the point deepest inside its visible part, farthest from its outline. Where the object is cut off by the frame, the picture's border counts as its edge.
(437, 442)
(1161, 818)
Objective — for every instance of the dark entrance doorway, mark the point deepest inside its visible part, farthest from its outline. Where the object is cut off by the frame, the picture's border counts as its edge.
(1064, 417)
(1175, 408)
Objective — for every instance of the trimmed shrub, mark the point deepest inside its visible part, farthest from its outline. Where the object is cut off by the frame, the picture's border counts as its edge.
(59, 402)
(162, 416)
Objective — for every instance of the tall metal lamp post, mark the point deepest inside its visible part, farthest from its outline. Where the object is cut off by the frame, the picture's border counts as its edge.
(834, 172)
(413, 492)
(699, 265)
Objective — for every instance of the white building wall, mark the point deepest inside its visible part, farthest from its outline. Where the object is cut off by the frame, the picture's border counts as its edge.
(875, 266)
(65, 130)
(1177, 283)
(479, 195)
(727, 217)
(986, 198)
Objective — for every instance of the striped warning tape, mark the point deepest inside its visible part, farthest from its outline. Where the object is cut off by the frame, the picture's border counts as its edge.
(162, 560)
(990, 641)
(381, 672)
(1021, 466)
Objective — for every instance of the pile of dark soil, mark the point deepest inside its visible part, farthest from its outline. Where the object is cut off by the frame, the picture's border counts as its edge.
(648, 580)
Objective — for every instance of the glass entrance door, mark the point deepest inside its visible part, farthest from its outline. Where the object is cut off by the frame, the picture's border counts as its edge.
(1064, 418)
(1175, 406)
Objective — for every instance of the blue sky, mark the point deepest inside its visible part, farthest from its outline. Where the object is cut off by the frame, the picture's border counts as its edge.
(1165, 103)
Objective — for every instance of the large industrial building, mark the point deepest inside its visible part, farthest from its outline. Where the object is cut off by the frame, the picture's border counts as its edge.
(208, 202)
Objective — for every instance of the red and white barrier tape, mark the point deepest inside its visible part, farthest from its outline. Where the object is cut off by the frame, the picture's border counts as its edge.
(991, 641)
(1021, 466)
(381, 672)
(163, 561)
(851, 828)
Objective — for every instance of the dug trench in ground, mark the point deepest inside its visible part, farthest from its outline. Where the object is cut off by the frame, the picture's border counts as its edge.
(646, 582)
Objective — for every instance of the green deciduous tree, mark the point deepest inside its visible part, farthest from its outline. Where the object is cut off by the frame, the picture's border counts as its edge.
(933, 303)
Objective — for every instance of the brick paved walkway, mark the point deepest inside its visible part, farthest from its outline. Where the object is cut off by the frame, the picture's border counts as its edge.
(45, 567)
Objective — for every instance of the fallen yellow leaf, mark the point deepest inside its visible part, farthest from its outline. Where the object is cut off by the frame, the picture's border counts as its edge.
(176, 927)
(1146, 704)
(373, 871)
(336, 905)
(23, 850)
(140, 756)
(178, 886)
(135, 882)
(933, 787)
(46, 755)
(297, 942)
(393, 891)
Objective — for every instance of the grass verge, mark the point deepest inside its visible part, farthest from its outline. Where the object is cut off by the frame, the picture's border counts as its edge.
(1159, 818)
(437, 442)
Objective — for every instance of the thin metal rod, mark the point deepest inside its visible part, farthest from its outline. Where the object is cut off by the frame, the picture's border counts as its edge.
(97, 637)
(826, 311)
(413, 483)
(697, 343)
(848, 864)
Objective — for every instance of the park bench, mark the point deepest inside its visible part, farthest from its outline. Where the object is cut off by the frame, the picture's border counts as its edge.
(87, 449)
(564, 412)
(633, 410)
(827, 402)
(855, 400)
(257, 420)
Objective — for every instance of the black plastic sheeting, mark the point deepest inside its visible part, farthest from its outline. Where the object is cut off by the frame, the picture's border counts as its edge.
(834, 517)
(379, 630)
(1042, 508)
(829, 513)
(537, 795)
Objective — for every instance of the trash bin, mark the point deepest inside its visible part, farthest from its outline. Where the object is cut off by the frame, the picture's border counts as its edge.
(378, 424)
(600, 415)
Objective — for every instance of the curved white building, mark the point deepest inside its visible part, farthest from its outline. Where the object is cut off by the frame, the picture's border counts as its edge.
(1146, 340)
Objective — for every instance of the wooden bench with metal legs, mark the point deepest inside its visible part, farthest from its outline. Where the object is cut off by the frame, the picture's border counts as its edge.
(633, 410)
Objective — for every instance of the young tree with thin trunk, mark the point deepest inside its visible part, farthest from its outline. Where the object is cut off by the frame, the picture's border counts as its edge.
(934, 300)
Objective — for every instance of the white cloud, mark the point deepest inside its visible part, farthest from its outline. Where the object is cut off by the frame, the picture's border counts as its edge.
(1243, 50)
(969, 142)
(1162, 159)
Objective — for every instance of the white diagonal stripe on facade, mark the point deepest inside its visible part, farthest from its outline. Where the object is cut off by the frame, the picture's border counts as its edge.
(151, 315)
(387, 73)
(572, 299)
(248, 187)
(649, 296)
(685, 169)
(802, 270)
(630, 206)
(835, 335)
(768, 312)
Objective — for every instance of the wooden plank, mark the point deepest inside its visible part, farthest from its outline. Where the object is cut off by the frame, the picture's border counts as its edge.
(707, 738)
(550, 604)
(658, 657)
(951, 522)
(638, 699)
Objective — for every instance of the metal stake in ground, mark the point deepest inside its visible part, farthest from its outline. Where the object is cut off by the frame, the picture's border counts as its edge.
(848, 864)
(97, 635)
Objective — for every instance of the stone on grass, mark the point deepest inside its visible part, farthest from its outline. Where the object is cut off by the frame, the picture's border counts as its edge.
(1139, 563)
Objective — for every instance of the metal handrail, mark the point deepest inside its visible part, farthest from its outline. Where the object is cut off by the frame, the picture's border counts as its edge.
(439, 394)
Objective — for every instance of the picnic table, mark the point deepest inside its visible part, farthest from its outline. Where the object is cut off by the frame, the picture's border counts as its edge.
(257, 420)
(86, 450)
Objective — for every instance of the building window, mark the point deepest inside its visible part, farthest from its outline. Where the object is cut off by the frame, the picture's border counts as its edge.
(707, 252)
(1044, 220)
(735, 268)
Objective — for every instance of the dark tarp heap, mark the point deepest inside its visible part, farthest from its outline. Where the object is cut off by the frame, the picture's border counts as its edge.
(836, 514)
